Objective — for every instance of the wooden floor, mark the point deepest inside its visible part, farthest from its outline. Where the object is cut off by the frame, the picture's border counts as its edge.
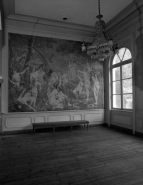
(98, 156)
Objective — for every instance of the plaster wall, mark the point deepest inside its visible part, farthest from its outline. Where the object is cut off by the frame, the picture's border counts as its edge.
(128, 33)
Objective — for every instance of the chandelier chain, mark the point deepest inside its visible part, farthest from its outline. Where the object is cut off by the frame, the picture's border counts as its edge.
(101, 47)
(99, 6)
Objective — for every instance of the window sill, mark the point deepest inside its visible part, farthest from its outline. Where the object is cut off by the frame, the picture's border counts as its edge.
(123, 110)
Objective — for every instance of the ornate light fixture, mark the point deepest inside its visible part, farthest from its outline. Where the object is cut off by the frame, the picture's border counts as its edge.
(101, 47)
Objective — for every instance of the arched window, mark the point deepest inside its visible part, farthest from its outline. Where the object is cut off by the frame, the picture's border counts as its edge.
(122, 91)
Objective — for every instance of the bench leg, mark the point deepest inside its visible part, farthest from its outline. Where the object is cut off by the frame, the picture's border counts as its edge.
(33, 130)
(87, 126)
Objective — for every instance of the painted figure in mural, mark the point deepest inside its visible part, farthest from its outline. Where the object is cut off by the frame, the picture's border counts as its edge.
(34, 91)
(54, 98)
(29, 98)
(64, 79)
(38, 75)
(57, 98)
(72, 71)
(86, 77)
(79, 90)
(62, 98)
(16, 78)
(51, 81)
(24, 98)
(96, 85)
(54, 78)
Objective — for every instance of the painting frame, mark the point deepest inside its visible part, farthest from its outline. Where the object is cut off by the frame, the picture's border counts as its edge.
(49, 74)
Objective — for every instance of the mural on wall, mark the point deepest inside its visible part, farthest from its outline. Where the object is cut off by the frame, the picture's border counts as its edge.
(47, 74)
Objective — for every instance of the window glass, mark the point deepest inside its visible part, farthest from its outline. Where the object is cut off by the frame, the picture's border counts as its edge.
(128, 101)
(116, 87)
(121, 53)
(116, 101)
(116, 59)
(122, 93)
(127, 55)
(116, 73)
(127, 71)
(127, 86)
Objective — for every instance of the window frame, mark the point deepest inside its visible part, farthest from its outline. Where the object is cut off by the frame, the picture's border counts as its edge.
(120, 65)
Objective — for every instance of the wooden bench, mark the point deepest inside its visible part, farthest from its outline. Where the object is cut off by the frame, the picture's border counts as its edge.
(40, 125)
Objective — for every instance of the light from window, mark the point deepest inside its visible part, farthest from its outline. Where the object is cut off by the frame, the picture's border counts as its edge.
(117, 101)
(123, 55)
(127, 101)
(116, 74)
(122, 93)
(127, 71)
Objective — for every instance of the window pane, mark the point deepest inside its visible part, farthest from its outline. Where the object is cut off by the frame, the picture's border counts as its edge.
(127, 86)
(128, 101)
(116, 101)
(116, 73)
(116, 59)
(121, 53)
(127, 55)
(127, 71)
(116, 87)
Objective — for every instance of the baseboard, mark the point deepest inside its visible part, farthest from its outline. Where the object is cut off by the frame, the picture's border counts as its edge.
(119, 128)
(139, 134)
(13, 132)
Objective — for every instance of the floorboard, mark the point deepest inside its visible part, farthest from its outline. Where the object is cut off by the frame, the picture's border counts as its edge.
(98, 156)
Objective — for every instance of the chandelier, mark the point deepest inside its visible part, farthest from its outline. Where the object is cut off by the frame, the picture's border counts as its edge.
(101, 47)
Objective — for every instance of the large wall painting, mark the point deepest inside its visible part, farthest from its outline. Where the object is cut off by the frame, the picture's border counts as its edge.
(47, 74)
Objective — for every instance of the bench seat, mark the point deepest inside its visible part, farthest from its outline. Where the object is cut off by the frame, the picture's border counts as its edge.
(59, 124)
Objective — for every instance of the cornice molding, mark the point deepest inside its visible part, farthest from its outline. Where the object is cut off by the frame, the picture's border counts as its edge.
(35, 24)
(54, 23)
(86, 33)
(24, 27)
(126, 17)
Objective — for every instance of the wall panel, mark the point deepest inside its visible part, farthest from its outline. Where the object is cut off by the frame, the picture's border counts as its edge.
(122, 118)
(23, 121)
(77, 117)
(94, 117)
(18, 122)
(40, 119)
(139, 122)
(55, 118)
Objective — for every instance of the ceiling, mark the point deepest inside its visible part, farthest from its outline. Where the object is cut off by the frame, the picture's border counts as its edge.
(76, 11)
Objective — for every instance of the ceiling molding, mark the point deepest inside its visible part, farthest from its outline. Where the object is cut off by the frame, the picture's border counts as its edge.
(31, 28)
(83, 32)
(54, 23)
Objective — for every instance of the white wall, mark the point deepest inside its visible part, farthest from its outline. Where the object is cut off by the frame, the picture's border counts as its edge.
(128, 33)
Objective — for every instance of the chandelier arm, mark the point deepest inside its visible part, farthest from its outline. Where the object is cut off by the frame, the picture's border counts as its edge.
(101, 47)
